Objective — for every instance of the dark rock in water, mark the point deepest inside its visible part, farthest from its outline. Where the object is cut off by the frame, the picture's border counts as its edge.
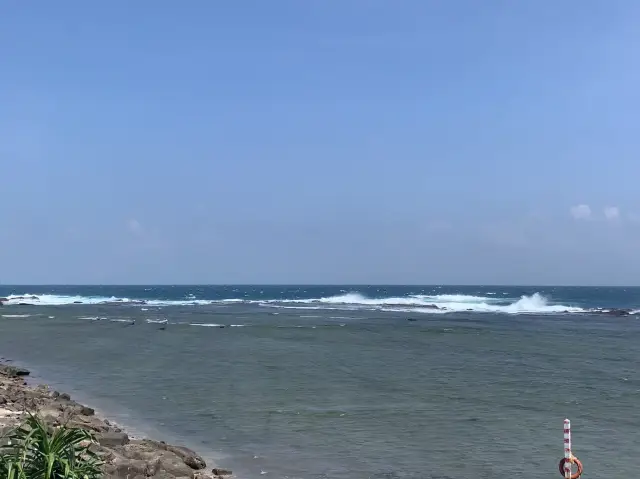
(189, 457)
(411, 319)
(77, 302)
(13, 371)
(65, 397)
(221, 472)
(112, 439)
(430, 306)
(195, 462)
(613, 311)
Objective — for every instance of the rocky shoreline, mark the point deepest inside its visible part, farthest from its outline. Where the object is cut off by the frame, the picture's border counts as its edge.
(124, 457)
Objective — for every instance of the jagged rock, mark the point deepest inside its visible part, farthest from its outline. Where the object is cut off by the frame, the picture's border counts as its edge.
(87, 411)
(163, 475)
(106, 455)
(90, 423)
(51, 420)
(112, 439)
(221, 472)
(189, 457)
(141, 450)
(204, 475)
(126, 468)
(75, 408)
(65, 397)
(149, 450)
(173, 464)
(195, 462)
(13, 371)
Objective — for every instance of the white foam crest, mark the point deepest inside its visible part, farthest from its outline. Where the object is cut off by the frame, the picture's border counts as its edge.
(206, 325)
(418, 303)
(63, 300)
(190, 302)
(156, 321)
(536, 303)
(456, 298)
(412, 300)
(16, 315)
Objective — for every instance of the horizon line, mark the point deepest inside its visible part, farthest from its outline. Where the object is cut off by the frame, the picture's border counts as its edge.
(527, 285)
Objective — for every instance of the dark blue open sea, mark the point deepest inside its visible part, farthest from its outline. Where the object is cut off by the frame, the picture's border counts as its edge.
(349, 382)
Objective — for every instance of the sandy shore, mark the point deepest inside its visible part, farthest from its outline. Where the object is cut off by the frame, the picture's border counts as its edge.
(124, 457)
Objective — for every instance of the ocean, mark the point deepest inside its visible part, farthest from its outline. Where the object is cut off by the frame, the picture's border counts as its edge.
(349, 382)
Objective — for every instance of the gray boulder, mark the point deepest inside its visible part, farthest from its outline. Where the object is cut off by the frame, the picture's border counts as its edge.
(112, 439)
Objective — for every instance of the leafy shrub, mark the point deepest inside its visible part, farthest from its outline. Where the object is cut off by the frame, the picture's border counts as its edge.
(35, 452)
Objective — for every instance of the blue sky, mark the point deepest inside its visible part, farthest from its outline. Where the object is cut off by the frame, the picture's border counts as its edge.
(320, 142)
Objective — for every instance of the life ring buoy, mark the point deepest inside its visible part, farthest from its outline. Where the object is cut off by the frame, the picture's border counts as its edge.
(572, 460)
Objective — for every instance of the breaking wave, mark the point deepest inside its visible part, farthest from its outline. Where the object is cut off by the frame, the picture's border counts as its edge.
(63, 300)
(415, 303)
(536, 303)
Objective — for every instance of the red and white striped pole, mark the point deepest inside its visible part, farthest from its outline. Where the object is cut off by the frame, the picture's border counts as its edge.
(567, 449)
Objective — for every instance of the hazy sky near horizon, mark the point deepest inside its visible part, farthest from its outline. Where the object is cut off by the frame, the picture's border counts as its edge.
(354, 141)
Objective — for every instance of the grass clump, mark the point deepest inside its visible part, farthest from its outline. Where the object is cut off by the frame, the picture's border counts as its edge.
(34, 451)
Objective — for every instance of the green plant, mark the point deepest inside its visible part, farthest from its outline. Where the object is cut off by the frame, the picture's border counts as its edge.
(35, 452)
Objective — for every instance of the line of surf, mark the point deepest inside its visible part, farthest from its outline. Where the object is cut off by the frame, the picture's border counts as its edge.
(418, 303)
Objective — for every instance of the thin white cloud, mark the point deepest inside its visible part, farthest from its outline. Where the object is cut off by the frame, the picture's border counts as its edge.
(612, 213)
(580, 212)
